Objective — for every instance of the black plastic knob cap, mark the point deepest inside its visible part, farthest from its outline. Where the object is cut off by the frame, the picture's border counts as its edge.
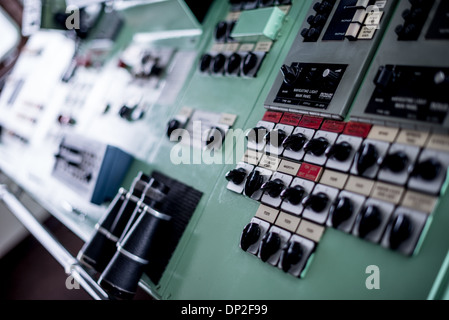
(270, 244)
(293, 195)
(275, 137)
(340, 151)
(341, 211)
(249, 63)
(215, 137)
(292, 255)
(273, 187)
(233, 63)
(172, 126)
(256, 134)
(218, 63)
(205, 61)
(317, 146)
(236, 176)
(317, 202)
(370, 220)
(220, 30)
(366, 158)
(253, 183)
(294, 142)
(250, 235)
(401, 230)
(428, 169)
(396, 162)
(290, 73)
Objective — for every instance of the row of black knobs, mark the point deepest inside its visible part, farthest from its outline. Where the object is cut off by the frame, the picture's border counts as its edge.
(234, 63)
(367, 154)
(318, 20)
(414, 19)
(369, 220)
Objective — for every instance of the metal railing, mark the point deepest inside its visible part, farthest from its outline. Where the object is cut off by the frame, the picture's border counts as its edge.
(68, 262)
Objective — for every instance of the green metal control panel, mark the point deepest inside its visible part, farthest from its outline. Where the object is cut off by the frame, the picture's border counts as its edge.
(315, 133)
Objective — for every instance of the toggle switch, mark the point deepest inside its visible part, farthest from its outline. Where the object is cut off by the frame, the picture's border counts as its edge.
(293, 195)
(294, 142)
(273, 187)
(340, 151)
(270, 244)
(341, 211)
(250, 235)
(317, 202)
(400, 231)
(292, 255)
(317, 146)
(370, 219)
(236, 176)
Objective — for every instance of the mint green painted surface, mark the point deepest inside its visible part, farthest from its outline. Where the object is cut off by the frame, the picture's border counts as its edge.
(259, 24)
(208, 263)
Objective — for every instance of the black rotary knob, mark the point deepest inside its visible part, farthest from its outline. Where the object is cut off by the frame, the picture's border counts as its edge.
(317, 20)
(317, 146)
(396, 162)
(293, 195)
(367, 157)
(270, 244)
(290, 73)
(311, 34)
(220, 30)
(292, 255)
(236, 176)
(330, 77)
(317, 202)
(205, 61)
(340, 151)
(172, 126)
(370, 220)
(253, 183)
(250, 235)
(273, 187)
(215, 137)
(401, 230)
(341, 211)
(294, 142)
(233, 63)
(249, 63)
(428, 169)
(218, 63)
(322, 7)
(275, 137)
(256, 134)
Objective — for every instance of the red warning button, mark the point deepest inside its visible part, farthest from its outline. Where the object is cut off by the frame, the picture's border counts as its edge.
(310, 172)
(333, 126)
(357, 129)
(311, 122)
(272, 116)
(291, 119)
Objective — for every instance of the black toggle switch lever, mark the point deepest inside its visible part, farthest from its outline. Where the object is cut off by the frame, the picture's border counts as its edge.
(293, 195)
(317, 202)
(290, 74)
(317, 146)
(273, 187)
(401, 230)
(250, 235)
(340, 151)
(294, 142)
(253, 183)
(370, 220)
(269, 245)
(292, 255)
(236, 176)
(341, 211)
(367, 157)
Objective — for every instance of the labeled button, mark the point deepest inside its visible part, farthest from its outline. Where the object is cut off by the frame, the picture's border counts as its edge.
(387, 192)
(289, 167)
(267, 213)
(287, 221)
(310, 230)
(419, 201)
(359, 185)
(411, 137)
(334, 179)
(387, 134)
